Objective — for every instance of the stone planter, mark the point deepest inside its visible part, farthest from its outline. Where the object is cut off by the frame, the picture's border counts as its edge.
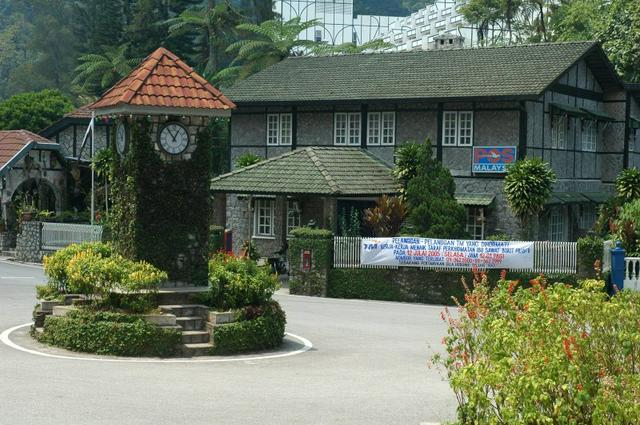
(47, 306)
(62, 310)
(221, 317)
(27, 216)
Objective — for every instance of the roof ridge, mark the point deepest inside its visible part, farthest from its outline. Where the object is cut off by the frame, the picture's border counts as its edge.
(335, 188)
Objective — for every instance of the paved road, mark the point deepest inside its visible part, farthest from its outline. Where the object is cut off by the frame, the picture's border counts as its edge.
(368, 366)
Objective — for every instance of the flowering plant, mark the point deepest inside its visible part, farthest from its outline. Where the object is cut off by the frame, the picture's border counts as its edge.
(544, 354)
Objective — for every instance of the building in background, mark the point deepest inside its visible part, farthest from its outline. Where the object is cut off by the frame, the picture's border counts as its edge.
(339, 22)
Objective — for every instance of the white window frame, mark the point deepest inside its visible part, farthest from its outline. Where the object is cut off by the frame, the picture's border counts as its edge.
(381, 128)
(293, 221)
(264, 208)
(475, 224)
(279, 129)
(374, 124)
(454, 133)
(350, 134)
(560, 131)
(589, 135)
(557, 225)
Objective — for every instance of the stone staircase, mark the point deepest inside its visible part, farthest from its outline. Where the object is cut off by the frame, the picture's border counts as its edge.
(196, 331)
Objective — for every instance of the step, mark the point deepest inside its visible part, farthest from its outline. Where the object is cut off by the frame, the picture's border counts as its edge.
(195, 337)
(197, 349)
(190, 323)
(185, 310)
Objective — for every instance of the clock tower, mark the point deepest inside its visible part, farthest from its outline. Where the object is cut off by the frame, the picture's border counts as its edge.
(163, 113)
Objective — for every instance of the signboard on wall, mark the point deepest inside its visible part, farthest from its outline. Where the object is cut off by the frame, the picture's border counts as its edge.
(493, 159)
(446, 253)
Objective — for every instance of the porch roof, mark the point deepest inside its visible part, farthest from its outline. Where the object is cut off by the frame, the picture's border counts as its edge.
(327, 171)
(475, 199)
(16, 144)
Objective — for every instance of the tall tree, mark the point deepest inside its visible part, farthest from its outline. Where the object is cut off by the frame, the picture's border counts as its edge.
(620, 34)
(100, 71)
(33, 111)
(98, 24)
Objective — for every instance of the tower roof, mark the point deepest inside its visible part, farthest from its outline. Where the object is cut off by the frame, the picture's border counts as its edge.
(164, 84)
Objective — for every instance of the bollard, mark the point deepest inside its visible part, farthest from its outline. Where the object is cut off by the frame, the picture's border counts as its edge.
(618, 267)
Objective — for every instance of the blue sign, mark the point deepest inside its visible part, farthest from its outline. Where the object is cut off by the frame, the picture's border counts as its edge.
(493, 159)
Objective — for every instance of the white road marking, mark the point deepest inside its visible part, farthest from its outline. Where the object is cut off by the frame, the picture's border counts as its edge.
(14, 263)
(4, 338)
(17, 277)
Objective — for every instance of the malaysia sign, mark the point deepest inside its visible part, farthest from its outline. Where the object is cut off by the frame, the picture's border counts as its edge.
(446, 253)
(493, 159)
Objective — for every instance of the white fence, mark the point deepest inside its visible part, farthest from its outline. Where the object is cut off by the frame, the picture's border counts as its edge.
(548, 257)
(60, 235)
(632, 273)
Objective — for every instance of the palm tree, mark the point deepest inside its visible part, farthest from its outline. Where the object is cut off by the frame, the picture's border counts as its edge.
(214, 26)
(103, 70)
(270, 42)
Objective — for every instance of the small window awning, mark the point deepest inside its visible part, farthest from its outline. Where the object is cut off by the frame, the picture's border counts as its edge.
(634, 123)
(557, 198)
(598, 115)
(475, 199)
(559, 108)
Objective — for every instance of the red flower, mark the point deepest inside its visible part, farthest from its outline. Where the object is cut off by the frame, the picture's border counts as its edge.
(579, 387)
(503, 274)
(567, 348)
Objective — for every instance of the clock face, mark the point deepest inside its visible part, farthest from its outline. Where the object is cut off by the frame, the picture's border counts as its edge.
(121, 138)
(174, 139)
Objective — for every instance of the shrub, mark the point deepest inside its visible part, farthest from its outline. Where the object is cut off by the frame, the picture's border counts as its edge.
(247, 159)
(237, 282)
(47, 292)
(547, 354)
(33, 111)
(262, 329)
(628, 184)
(55, 265)
(320, 243)
(216, 239)
(109, 333)
(386, 218)
(590, 250)
(527, 186)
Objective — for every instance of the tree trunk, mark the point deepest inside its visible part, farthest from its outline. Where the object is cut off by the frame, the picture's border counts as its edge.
(212, 61)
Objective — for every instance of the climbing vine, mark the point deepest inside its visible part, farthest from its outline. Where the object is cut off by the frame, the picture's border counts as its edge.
(161, 209)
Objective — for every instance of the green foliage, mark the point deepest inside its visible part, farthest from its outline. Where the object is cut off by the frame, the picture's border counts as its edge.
(626, 228)
(258, 333)
(432, 208)
(97, 72)
(349, 223)
(590, 250)
(109, 333)
(366, 284)
(237, 282)
(620, 36)
(386, 218)
(628, 184)
(527, 186)
(547, 354)
(33, 111)
(55, 265)
(48, 292)
(161, 209)
(320, 243)
(247, 159)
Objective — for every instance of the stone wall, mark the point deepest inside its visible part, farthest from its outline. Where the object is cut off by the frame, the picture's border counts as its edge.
(28, 242)
(7, 240)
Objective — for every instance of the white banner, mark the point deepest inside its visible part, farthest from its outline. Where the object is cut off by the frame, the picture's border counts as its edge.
(446, 253)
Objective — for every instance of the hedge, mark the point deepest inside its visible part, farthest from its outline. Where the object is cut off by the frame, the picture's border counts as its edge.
(590, 250)
(251, 333)
(109, 333)
(320, 243)
(414, 285)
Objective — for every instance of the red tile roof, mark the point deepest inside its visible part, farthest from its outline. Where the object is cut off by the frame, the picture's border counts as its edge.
(164, 80)
(82, 112)
(13, 141)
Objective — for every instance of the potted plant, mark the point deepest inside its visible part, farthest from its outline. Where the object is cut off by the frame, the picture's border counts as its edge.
(28, 209)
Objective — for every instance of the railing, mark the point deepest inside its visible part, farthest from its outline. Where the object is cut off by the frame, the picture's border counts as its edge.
(548, 257)
(60, 235)
(632, 273)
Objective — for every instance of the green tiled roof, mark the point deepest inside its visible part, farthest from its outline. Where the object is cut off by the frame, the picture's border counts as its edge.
(475, 199)
(330, 171)
(577, 198)
(509, 71)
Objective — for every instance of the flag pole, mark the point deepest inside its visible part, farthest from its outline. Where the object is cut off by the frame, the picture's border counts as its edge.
(93, 171)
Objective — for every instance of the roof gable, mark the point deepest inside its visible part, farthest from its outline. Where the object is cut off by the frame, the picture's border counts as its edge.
(163, 80)
(15, 144)
(490, 72)
(330, 171)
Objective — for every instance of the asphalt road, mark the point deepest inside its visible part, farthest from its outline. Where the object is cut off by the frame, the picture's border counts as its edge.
(368, 365)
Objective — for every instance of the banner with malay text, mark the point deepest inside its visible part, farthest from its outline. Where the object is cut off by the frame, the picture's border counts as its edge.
(446, 253)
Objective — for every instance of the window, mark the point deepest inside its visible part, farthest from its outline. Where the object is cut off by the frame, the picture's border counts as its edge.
(425, 30)
(294, 215)
(411, 33)
(264, 218)
(416, 43)
(420, 21)
(433, 15)
(587, 216)
(475, 222)
(381, 128)
(559, 132)
(446, 11)
(279, 129)
(440, 24)
(318, 36)
(347, 129)
(456, 19)
(556, 225)
(457, 128)
(589, 135)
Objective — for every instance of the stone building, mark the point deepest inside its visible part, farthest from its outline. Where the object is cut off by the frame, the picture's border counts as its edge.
(482, 108)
